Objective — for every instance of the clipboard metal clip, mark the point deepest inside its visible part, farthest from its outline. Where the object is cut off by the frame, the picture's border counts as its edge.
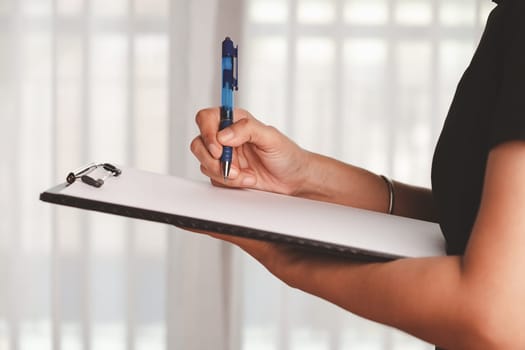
(83, 174)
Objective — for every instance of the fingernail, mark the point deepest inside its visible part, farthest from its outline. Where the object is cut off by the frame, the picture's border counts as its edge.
(214, 150)
(248, 181)
(226, 135)
(234, 172)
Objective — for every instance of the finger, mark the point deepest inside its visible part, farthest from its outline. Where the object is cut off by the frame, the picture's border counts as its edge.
(218, 183)
(208, 122)
(236, 179)
(203, 155)
(260, 250)
(217, 178)
(249, 130)
(243, 179)
(210, 166)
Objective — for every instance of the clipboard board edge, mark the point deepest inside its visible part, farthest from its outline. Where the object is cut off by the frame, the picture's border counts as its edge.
(54, 196)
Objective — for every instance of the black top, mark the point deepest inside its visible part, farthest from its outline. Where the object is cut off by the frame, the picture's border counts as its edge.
(488, 109)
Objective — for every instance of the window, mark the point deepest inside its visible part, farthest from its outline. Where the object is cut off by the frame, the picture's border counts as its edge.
(366, 81)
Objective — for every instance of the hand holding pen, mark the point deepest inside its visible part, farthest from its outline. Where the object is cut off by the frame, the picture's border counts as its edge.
(263, 158)
(251, 154)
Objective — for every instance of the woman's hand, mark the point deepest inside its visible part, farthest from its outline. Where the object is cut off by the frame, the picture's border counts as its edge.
(263, 158)
(298, 267)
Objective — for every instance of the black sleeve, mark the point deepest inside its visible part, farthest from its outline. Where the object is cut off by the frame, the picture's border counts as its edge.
(508, 121)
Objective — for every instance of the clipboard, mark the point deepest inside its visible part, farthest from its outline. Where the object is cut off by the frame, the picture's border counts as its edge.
(324, 227)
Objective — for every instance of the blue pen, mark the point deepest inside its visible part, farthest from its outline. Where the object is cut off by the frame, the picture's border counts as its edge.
(230, 65)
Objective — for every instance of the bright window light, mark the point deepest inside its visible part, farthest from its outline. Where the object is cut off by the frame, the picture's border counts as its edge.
(267, 11)
(316, 11)
(368, 12)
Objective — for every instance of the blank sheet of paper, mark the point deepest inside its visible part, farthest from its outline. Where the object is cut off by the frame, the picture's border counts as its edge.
(298, 220)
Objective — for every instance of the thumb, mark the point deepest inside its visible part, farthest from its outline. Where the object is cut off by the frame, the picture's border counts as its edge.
(249, 130)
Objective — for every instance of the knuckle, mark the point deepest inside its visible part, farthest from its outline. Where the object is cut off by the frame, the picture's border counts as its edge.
(208, 137)
(243, 112)
(244, 122)
(272, 129)
(203, 115)
(198, 117)
(195, 144)
(207, 172)
(248, 115)
(274, 134)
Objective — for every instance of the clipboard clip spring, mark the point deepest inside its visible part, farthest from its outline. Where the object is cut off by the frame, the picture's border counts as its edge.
(83, 174)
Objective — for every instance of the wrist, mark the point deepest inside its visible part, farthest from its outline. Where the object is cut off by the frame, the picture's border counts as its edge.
(313, 179)
(330, 180)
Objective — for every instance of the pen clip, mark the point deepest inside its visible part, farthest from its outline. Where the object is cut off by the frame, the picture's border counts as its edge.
(236, 70)
(230, 52)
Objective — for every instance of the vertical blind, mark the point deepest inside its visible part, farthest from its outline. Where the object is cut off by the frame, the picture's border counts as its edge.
(366, 81)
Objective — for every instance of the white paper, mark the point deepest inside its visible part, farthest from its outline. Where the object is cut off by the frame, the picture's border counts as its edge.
(296, 217)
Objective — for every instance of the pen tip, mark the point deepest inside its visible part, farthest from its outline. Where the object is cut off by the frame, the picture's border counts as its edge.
(226, 170)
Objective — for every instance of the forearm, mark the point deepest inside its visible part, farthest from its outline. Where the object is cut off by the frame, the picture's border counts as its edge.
(423, 297)
(333, 181)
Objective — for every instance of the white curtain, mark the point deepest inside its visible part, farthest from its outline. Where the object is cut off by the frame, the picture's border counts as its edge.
(367, 81)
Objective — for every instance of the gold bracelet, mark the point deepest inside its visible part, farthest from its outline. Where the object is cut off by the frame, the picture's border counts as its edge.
(390, 185)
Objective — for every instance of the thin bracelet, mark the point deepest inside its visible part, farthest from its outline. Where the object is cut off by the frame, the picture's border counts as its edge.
(390, 185)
